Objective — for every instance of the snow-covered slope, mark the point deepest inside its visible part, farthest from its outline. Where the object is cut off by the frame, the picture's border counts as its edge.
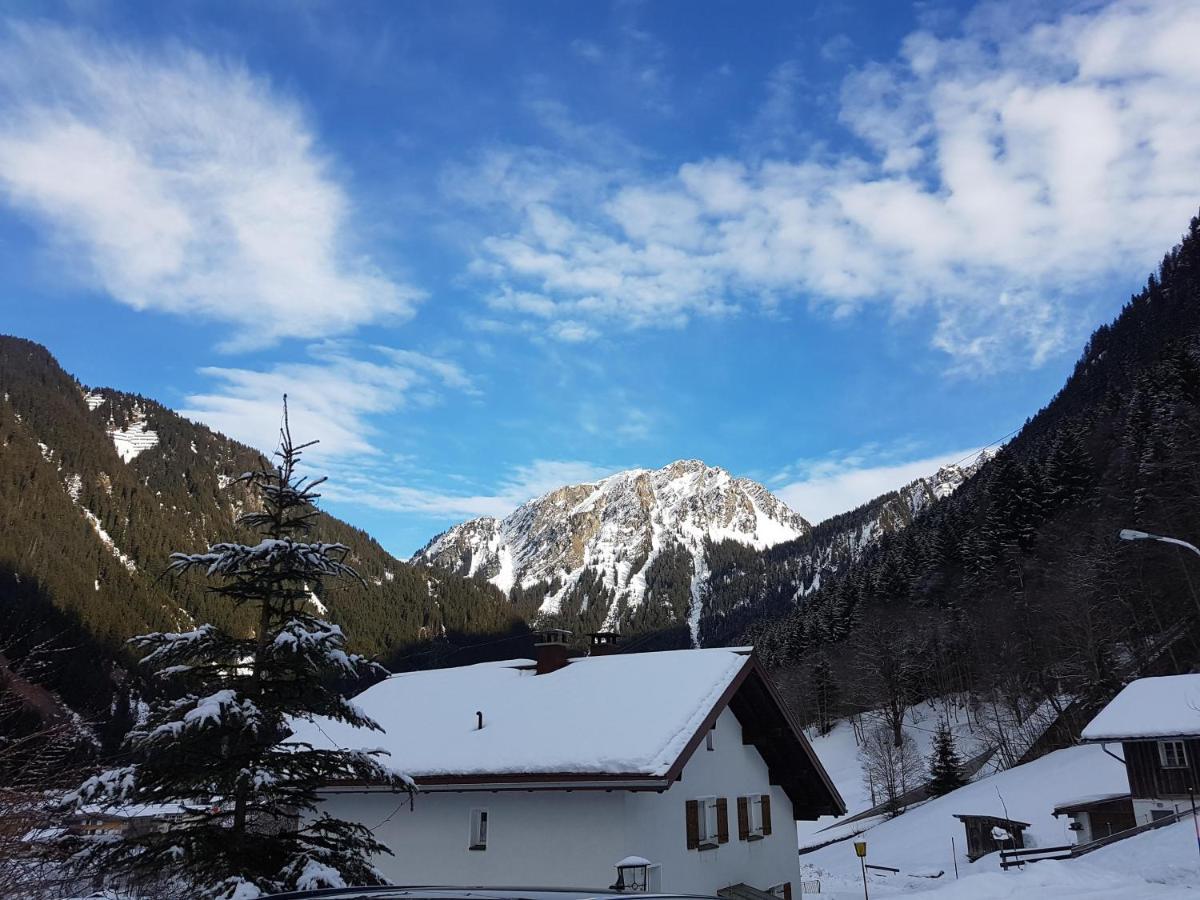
(614, 530)
(918, 842)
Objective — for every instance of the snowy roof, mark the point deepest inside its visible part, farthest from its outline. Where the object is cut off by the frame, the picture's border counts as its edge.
(1079, 803)
(1168, 706)
(628, 714)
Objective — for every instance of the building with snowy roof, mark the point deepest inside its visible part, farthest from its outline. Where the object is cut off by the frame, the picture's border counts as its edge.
(552, 771)
(1157, 723)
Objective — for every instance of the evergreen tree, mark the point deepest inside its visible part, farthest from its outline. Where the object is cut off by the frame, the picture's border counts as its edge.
(218, 742)
(945, 768)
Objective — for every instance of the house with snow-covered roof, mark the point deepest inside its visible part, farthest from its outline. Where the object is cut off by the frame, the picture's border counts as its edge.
(552, 771)
(1156, 722)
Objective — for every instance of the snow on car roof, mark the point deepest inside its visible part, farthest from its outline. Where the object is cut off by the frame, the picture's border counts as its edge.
(627, 714)
(1167, 706)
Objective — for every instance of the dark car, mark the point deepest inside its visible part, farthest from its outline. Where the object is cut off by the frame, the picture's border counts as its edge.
(472, 893)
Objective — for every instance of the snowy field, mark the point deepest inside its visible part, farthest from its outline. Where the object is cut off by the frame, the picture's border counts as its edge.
(1159, 864)
(1163, 863)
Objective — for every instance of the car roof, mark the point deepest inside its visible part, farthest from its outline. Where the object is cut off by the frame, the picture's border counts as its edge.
(439, 892)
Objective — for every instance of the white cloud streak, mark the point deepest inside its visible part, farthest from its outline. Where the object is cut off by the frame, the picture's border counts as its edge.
(520, 484)
(836, 485)
(331, 397)
(184, 184)
(1003, 174)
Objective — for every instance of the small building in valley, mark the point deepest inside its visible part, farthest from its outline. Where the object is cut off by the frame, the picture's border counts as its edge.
(1097, 817)
(1156, 724)
(553, 771)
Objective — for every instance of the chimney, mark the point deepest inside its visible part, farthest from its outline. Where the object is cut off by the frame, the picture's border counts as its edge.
(551, 648)
(604, 643)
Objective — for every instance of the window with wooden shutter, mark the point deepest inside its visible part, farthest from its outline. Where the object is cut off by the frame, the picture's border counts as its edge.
(722, 820)
(766, 814)
(692, 813)
(743, 819)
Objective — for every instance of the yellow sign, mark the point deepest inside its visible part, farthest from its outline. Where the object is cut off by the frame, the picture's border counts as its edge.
(860, 847)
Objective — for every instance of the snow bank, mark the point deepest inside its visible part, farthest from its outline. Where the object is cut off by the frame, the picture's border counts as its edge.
(628, 714)
(1159, 864)
(1168, 706)
(919, 841)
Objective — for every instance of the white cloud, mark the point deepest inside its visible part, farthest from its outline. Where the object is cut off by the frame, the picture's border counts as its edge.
(522, 483)
(835, 484)
(331, 397)
(185, 184)
(1004, 174)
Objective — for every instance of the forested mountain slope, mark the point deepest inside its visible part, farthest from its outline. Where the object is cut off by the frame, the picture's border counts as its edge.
(1017, 583)
(98, 487)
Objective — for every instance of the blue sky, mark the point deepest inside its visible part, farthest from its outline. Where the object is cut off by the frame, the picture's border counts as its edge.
(490, 248)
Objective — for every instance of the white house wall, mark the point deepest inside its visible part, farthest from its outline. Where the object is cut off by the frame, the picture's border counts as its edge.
(574, 838)
(656, 823)
(543, 839)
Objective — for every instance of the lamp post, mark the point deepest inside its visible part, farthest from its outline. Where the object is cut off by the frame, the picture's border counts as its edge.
(633, 874)
(860, 847)
(1131, 534)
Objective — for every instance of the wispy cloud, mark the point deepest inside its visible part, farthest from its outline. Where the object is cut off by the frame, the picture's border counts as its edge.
(823, 487)
(518, 485)
(999, 175)
(186, 184)
(332, 395)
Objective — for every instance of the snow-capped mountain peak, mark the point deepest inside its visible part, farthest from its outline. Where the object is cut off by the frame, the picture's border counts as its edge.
(613, 530)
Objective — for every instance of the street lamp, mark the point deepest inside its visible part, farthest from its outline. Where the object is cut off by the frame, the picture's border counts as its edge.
(1132, 534)
(633, 874)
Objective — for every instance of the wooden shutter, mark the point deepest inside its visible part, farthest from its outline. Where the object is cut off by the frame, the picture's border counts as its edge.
(787, 890)
(766, 814)
(692, 809)
(722, 820)
(743, 818)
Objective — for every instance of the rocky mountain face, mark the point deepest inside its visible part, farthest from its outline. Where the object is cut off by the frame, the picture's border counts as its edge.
(98, 487)
(600, 549)
(685, 544)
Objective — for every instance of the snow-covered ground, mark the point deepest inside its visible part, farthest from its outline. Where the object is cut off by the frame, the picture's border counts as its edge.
(838, 752)
(1159, 864)
(918, 842)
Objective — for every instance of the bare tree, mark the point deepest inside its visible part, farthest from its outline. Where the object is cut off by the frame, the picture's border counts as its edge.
(890, 770)
(43, 746)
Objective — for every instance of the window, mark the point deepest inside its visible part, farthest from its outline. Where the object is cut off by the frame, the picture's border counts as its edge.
(707, 822)
(479, 829)
(754, 817)
(755, 810)
(708, 739)
(1172, 754)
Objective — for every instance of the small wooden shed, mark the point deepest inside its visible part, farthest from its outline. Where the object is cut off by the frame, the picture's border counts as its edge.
(980, 840)
(1097, 817)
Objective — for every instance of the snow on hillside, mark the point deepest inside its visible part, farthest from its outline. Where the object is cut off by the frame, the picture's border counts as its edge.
(974, 733)
(133, 439)
(106, 539)
(918, 842)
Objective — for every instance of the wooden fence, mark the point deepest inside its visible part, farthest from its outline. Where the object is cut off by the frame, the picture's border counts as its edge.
(1010, 858)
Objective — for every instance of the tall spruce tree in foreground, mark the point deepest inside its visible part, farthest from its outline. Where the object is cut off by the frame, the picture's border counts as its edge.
(945, 768)
(219, 745)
